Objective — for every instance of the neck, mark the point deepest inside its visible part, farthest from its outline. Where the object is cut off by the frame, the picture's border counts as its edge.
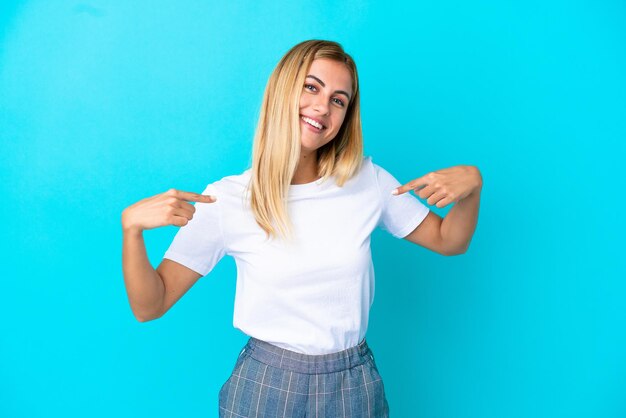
(306, 172)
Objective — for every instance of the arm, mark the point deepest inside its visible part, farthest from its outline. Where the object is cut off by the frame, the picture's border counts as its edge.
(152, 292)
(144, 286)
(459, 224)
(450, 235)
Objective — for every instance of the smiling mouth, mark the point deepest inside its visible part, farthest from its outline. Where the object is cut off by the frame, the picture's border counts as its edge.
(313, 123)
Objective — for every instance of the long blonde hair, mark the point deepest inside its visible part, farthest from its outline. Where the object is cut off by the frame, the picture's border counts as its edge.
(276, 149)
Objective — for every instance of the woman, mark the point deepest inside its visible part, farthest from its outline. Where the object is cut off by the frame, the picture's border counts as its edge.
(298, 224)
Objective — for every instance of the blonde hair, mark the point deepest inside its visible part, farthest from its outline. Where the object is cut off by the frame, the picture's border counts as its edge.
(276, 149)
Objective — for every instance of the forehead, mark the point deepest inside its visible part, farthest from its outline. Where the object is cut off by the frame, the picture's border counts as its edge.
(334, 74)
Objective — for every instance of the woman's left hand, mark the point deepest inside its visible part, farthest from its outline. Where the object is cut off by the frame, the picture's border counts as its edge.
(445, 186)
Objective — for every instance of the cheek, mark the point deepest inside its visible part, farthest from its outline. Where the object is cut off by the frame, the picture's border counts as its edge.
(339, 122)
(304, 100)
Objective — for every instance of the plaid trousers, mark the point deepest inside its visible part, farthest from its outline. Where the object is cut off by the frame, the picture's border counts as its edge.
(268, 381)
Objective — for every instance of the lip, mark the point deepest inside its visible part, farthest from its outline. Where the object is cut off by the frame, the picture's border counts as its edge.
(316, 120)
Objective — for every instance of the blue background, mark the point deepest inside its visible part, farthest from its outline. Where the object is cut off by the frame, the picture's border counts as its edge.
(108, 102)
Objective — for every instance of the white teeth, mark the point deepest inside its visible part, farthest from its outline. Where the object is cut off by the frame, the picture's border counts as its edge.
(312, 122)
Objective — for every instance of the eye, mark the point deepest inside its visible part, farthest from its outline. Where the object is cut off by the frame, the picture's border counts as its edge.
(339, 102)
(306, 86)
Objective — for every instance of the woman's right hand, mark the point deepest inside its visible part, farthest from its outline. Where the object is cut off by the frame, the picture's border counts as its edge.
(169, 208)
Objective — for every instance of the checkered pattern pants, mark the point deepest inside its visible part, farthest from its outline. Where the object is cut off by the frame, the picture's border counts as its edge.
(268, 381)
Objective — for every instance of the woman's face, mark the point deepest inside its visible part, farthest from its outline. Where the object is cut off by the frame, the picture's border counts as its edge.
(325, 96)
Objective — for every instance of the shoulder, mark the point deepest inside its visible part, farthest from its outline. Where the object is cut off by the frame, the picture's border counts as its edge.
(375, 170)
(385, 181)
(369, 162)
(367, 166)
(232, 183)
(363, 175)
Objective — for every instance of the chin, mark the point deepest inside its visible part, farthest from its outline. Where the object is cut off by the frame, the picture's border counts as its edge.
(308, 148)
(309, 144)
(312, 145)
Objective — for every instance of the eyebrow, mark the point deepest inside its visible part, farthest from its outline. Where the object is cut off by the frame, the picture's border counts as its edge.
(324, 85)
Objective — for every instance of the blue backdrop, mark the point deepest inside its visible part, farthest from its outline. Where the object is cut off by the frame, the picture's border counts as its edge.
(104, 103)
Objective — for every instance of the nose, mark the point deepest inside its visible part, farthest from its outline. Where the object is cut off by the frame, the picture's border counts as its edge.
(321, 104)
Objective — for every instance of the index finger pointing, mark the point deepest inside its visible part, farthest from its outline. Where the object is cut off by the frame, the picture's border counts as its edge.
(412, 185)
(196, 197)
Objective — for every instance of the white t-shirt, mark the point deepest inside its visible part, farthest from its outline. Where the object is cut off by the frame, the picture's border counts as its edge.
(312, 295)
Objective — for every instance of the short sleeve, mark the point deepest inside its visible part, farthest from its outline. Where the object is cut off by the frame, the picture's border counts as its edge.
(199, 245)
(400, 214)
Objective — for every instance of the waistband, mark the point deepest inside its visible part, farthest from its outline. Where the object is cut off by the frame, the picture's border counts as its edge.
(306, 363)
